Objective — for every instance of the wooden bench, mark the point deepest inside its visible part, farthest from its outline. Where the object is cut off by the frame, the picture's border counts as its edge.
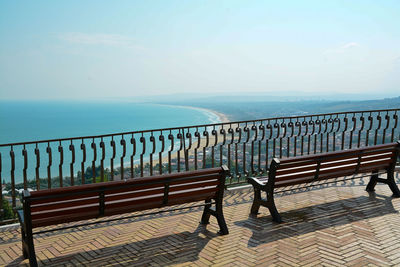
(84, 202)
(306, 169)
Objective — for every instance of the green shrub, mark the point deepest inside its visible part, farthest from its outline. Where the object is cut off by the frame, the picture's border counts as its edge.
(7, 211)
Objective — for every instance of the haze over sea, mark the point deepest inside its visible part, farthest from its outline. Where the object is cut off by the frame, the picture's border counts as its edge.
(31, 121)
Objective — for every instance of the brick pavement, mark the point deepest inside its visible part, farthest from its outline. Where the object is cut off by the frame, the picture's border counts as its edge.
(338, 225)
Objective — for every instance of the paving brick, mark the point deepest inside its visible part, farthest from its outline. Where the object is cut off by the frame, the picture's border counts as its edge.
(338, 225)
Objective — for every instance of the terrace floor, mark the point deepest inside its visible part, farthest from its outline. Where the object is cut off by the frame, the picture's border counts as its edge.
(337, 225)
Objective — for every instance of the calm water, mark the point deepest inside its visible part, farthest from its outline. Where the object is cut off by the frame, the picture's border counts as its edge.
(29, 121)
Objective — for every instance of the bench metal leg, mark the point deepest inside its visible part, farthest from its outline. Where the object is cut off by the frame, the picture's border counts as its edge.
(256, 201)
(221, 220)
(29, 246)
(276, 217)
(372, 183)
(24, 246)
(392, 184)
(205, 218)
(389, 181)
(269, 203)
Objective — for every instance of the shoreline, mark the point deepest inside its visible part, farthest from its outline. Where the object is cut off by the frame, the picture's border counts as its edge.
(223, 118)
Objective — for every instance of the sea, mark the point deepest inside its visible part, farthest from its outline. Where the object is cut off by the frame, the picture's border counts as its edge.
(23, 121)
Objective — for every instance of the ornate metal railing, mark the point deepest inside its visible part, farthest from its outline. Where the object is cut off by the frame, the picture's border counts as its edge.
(246, 147)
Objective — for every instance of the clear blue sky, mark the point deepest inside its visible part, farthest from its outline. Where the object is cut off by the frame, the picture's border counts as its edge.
(84, 49)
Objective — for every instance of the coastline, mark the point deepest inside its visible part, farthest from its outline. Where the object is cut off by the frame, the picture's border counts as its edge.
(223, 118)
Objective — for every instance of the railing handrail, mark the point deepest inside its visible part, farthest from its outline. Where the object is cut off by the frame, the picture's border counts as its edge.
(190, 126)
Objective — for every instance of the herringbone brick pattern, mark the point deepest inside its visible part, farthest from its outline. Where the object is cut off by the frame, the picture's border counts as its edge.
(338, 225)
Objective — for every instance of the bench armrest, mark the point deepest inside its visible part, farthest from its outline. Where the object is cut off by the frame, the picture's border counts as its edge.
(255, 182)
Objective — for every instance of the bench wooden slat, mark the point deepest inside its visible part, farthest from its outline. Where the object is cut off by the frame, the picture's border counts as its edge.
(128, 195)
(329, 164)
(336, 171)
(366, 150)
(56, 198)
(64, 211)
(65, 219)
(315, 158)
(180, 187)
(65, 204)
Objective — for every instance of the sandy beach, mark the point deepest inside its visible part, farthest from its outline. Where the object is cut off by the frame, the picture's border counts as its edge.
(221, 116)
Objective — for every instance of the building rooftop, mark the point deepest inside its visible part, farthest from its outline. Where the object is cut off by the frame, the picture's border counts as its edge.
(330, 225)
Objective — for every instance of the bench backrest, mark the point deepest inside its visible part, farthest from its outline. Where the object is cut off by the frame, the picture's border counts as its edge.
(61, 205)
(311, 168)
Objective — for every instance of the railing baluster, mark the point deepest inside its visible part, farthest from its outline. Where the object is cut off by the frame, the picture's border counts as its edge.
(112, 144)
(133, 142)
(48, 151)
(354, 120)
(395, 117)
(205, 134)
(269, 127)
(254, 129)
(289, 136)
(153, 150)
(123, 144)
(25, 154)
(305, 124)
(215, 134)
(379, 118)
(160, 154)
(178, 153)
(103, 156)
(323, 133)
(239, 139)
(315, 134)
(386, 127)
(334, 132)
(94, 148)
(298, 125)
(37, 153)
(71, 165)
(196, 134)
(246, 130)
(362, 119)
(143, 141)
(328, 122)
(261, 127)
(171, 148)
(83, 148)
(370, 119)
(345, 120)
(12, 172)
(283, 127)
(60, 165)
(187, 149)
(232, 133)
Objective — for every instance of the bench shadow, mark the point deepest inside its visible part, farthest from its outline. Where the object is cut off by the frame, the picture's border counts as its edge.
(164, 250)
(314, 218)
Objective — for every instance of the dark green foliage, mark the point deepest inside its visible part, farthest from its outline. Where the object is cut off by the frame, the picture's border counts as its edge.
(7, 211)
